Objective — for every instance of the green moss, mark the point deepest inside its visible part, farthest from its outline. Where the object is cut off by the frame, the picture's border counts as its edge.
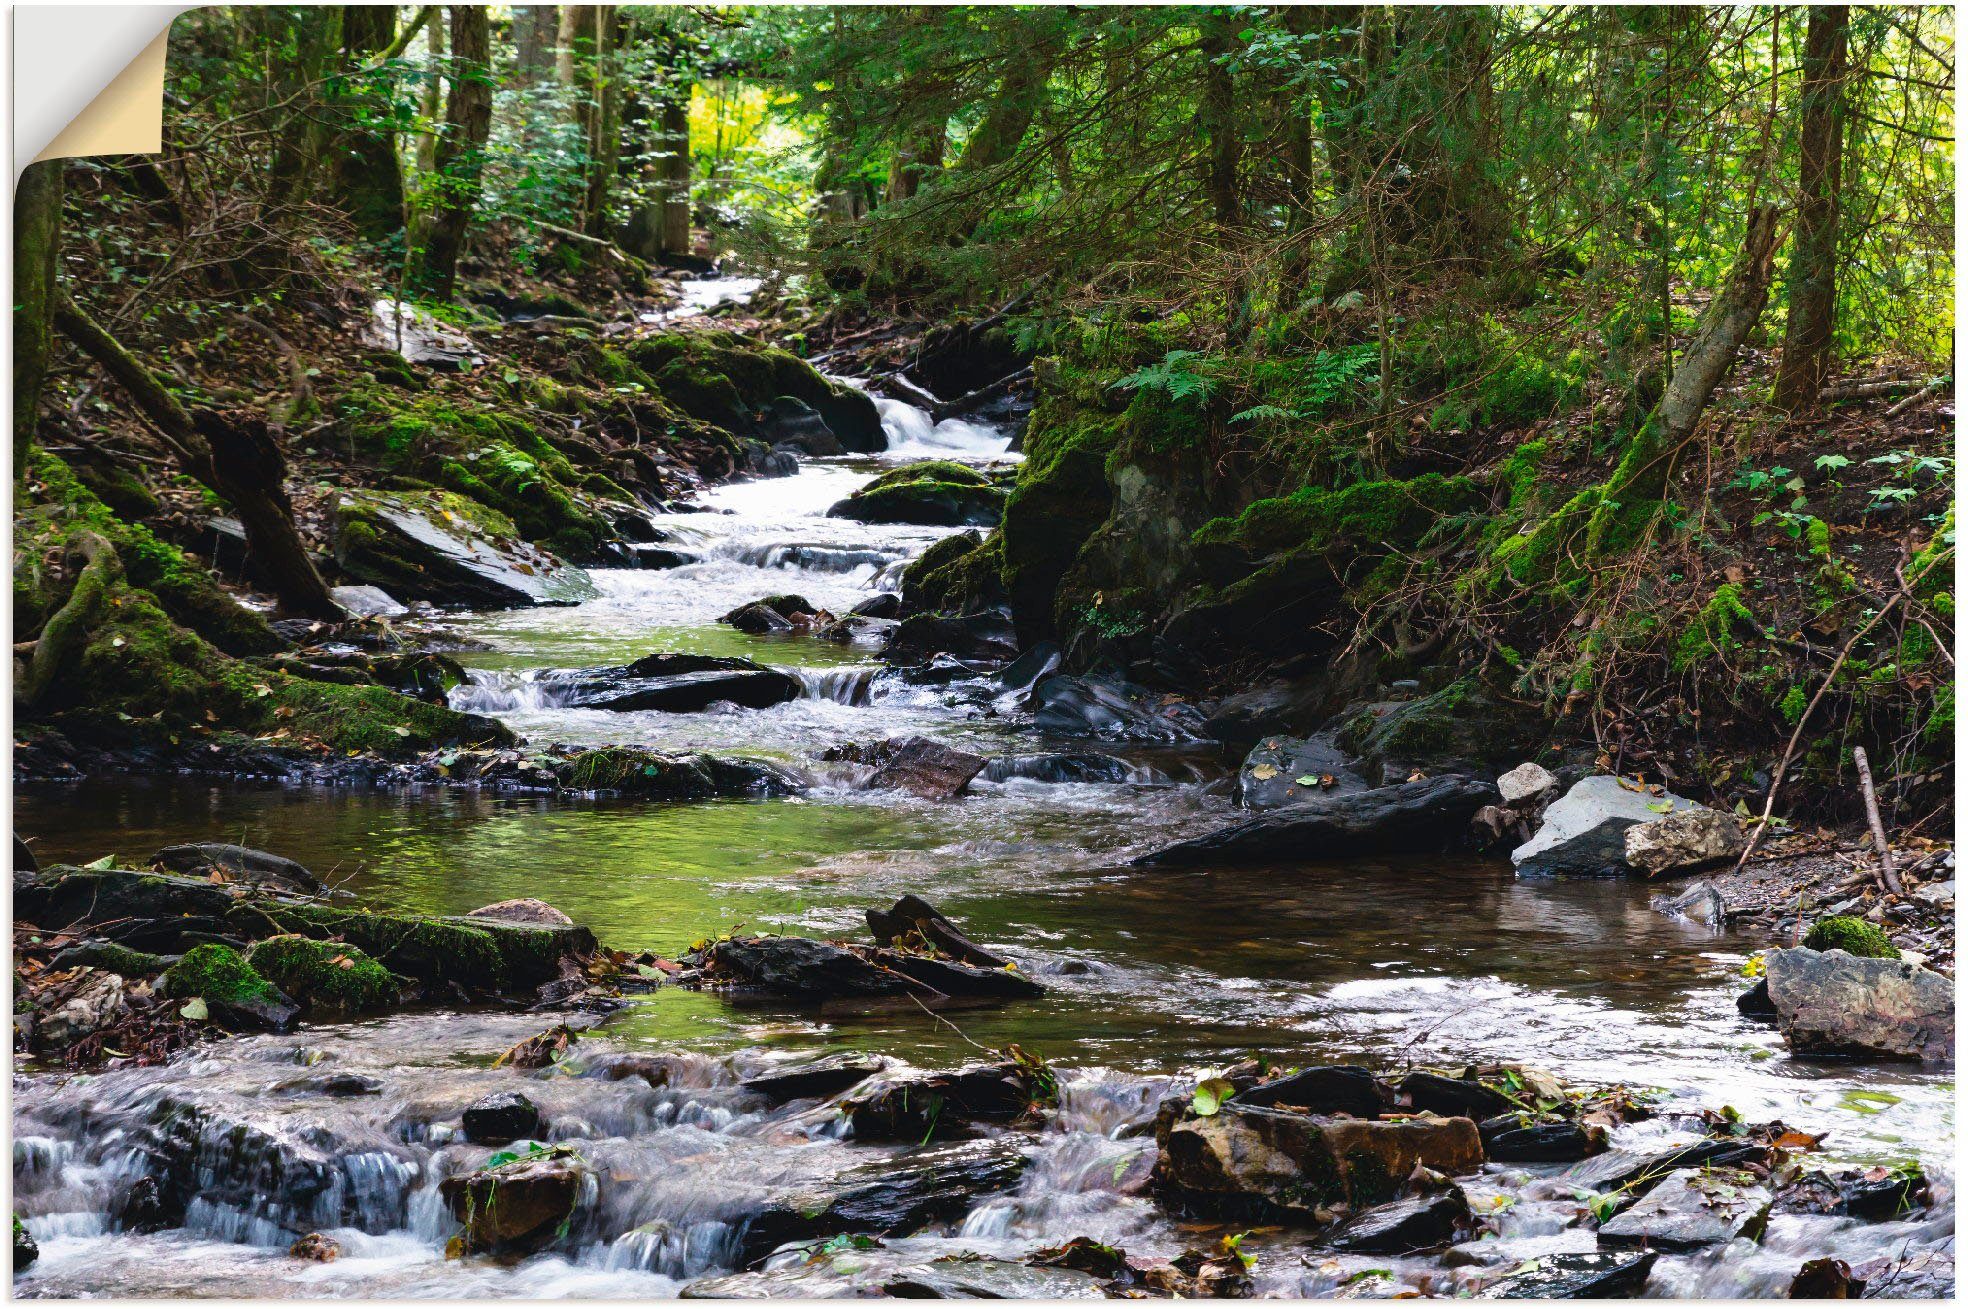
(1062, 495)
(1793, 704)
(945, 471)
(1386, 513)
(60, 503)
(1714, 631)
(1855, 936)
(429, 949)
(919, 493)
(324, 975)
(117, 958)
(221, 975)
(727, 379)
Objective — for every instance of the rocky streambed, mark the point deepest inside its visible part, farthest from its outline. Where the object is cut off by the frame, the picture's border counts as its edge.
(1192, 1025)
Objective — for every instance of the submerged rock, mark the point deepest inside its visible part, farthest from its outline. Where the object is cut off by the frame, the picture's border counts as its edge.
(1690, 1208)
(1113, 710)
(1634, 1170)
(1429, 814)
(1079, 766)
(894, 1196)
(1832, 1003)
(1584, 833)
(443, 548)
(859, 1273)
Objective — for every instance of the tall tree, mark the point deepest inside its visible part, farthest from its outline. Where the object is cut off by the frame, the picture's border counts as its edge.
(604, 115)
(1812, 284)
(367, 176)
(460, 155)
(37, 249)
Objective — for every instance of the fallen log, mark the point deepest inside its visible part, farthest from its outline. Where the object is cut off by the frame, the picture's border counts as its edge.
(982, 395)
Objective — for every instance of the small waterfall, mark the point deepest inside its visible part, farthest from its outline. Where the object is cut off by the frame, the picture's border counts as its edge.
(911, 431)
(816, 558)
(848, 686)
(490, 691)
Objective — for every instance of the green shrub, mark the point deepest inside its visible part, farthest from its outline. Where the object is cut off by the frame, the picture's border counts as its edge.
(1855, 936)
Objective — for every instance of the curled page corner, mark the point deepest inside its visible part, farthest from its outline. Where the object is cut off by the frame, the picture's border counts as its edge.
(89, 80)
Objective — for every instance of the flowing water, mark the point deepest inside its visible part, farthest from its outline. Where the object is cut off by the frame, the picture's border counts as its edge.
(1153, 976)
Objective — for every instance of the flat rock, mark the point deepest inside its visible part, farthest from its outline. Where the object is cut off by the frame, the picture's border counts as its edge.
(418, 336)
(1623, 1169)
(501, 1117)
(869, 1274)
(1584, 832)
(1691, 1208)
(368, 601)
(1283, 770)
(1684, 842)
(1426, 815)
(1586, 1275)
(1448, 1096)
(817, 1079)
(674, 683)
(414, 546)
(1336, 1089)
(523, 910)
(236, 863)
(1076, 766)
(801, 968)
(1832, 1003)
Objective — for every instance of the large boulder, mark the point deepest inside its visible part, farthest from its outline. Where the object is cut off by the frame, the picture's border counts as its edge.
(939, 493)
(1430, 814)
(1463, 725)
(674, 683)
(978, 634)
(1584, 833)
(1691, 1208)
(1245, 1161)
(742, 386)
(1684, 842)
(432, 545)
(1832, 1003)
(1113, 710)
(1283, 770)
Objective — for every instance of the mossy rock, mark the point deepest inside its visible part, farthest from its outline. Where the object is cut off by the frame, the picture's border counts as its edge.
(233, 991)
(729, 380)
(51, 503)
(1855, 936)
(449, 549)
(1061, 498)
(959, 574)
(324, 975)
(1464, 722)
(476, 955)
(936, 493)
(115, 957)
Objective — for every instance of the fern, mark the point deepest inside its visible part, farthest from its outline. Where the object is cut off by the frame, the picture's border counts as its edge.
(1173, 375)
(1257, 413)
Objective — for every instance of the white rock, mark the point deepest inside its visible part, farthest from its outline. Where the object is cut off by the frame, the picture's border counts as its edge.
(1584, 832)
(368, 601)
(1527, 781)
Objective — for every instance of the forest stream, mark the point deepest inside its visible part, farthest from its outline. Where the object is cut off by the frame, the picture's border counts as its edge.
(1153, 977)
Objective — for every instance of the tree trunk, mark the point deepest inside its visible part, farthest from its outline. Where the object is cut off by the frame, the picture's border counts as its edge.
(575, 32)
(675, 170)
(1218, 119)
(367, 177)
(299, 85)
(1643, 471)
(917, 158)
(1812, 283)
(460, 153)
(534, 30)
(37, 249)
(605, 117)
(432, 105)
(232, 454)
(1010, 116)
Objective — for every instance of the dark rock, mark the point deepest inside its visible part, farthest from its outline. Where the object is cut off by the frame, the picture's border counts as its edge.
(944, 669)
(895, 1196)
(475, 955)
(961, 980)
(1426, 815)
(818, 1079)
(1588, 1275)
(1882, 1193)
(1450, 1096)
(1832, 1003)
(114, 958)
(1077, 767)
(1424, 1222)
(416, 546)
(24, 860)
(803, 969)
(775, 613)
(1280, 708)
(938, 1105)
(131, 908)
(145, 1208)
(1584, 832)
(1462, 726)
(886, 604)
(981, 634)
(316, 1247)
(937, 493)
(236, 863)
(1112, 710)
(1755, 1002)
(914, 917)
(1335, 1089)
(658, 558)
(851, 628)
(675, 683)
(1031, 667)
(519, 1205)
(339, 1085)
(502, 1117)
(1826, 1279)
(927, 768)
(25, 1250)
(791, 421)
(1691, 1208)
(1507, 1139)
(1283, 770)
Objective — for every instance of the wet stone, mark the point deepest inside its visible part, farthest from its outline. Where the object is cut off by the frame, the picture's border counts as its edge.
(1429, 814)
(818, 1079)
(1338, 1089)
(1691, 1208)
(1405, 1226)
(520, 1204)
(1588, 1275)
(501, 1118)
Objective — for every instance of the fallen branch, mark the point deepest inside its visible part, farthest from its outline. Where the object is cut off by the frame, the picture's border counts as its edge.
(1887, 877)
(1869, 387)
(982, 395)
(1934, 387)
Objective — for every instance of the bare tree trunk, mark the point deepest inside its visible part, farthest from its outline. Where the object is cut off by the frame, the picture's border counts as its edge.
(534, 30)
(676, 175)
(576, 27)
(232, 454)
(1812, 282)
(433, 104)
(460, 154)
(605, 116)
(366, 176)
(1218, 119)
(37, 249)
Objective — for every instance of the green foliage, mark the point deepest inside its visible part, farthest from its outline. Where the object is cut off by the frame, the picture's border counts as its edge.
(1716, 629)
(1176, 376)
(219, 974)
(324, 975)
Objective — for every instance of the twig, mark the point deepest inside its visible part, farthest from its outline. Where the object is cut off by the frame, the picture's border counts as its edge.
(1914, 399)
(1887, 877)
